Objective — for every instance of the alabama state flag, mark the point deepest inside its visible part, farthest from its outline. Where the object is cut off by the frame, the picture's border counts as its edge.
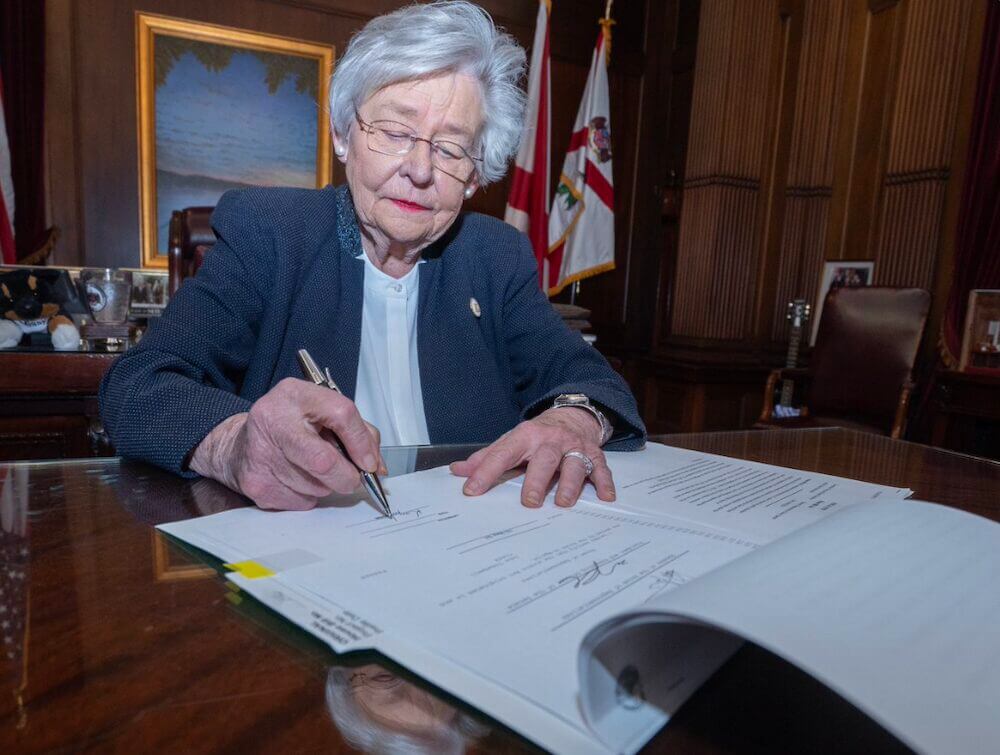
(582, 219)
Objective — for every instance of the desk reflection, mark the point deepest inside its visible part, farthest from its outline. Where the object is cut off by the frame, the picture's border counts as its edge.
(14, 594)
(378, 711)
(374, 709)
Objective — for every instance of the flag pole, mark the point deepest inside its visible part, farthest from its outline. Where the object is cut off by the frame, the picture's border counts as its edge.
(606, 23)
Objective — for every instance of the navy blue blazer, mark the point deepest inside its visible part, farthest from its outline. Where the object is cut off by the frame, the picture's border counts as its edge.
(283, 275)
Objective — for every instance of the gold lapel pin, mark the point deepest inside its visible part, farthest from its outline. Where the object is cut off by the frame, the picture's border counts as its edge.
(474, 306)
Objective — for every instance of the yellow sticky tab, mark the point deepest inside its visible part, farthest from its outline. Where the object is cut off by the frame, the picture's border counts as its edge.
(250, 569)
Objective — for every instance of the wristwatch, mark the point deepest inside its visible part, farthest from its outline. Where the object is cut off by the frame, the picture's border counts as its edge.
(580, 401)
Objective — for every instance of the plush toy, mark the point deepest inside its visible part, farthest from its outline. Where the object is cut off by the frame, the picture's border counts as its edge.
(30, 311)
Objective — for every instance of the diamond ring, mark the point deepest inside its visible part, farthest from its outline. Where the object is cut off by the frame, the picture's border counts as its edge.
(587, 463)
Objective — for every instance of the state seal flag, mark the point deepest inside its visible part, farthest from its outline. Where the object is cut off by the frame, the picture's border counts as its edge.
(527, 206)
(582, 219)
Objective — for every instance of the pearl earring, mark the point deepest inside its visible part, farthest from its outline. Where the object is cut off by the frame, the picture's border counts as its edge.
(341, 151)
(469, 192)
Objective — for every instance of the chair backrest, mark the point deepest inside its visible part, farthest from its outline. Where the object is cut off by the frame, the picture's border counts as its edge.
(191, 235)
(865, 349)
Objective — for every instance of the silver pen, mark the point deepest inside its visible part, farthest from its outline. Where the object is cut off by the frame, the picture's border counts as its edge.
(372, 484)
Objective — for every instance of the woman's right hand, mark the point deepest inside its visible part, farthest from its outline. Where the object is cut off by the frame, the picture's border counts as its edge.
(281, 454)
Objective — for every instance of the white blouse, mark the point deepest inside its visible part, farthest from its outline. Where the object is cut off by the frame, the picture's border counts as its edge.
(388, 391)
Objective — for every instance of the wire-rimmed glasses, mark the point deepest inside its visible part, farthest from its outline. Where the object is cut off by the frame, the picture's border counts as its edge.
(397, 139)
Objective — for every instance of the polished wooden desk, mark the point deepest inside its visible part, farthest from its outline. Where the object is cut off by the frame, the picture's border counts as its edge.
(122, 642)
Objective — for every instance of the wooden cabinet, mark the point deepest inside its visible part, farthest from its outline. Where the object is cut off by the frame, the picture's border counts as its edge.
(48, 405)
(966, 412)
(688, 391)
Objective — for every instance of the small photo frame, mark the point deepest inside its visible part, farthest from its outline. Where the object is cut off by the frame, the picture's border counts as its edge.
(981, 339)
(840, 274)
(149, 293)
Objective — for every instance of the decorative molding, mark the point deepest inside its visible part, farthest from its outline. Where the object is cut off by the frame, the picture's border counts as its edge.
(915, 176)
(877, 6)
(737, 182)
(808, 192)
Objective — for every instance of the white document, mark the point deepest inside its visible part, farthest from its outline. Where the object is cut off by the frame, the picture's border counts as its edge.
(493, 601)
(504, 591)
(755, 500)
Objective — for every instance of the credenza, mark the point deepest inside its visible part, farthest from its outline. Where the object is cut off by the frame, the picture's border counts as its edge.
(48, 404)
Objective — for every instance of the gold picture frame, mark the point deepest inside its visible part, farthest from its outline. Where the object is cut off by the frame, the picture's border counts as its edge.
(981, 334)
(220, 51)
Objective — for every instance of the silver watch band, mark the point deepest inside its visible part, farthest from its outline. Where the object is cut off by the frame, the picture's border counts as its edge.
(580, 401)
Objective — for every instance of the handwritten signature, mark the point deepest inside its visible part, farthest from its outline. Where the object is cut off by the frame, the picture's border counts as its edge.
(665, 580)
(588, 575)
(407, 513)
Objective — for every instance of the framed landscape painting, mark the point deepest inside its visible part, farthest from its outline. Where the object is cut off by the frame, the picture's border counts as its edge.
(220, 109)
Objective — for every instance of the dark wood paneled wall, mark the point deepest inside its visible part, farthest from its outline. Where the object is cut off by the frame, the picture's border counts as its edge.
(921, 138)
(820, 129)
(91, 122)
(753, 139)
(735, 117)
(811, 159)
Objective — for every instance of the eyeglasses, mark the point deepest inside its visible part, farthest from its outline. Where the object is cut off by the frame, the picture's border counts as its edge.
(396, 139)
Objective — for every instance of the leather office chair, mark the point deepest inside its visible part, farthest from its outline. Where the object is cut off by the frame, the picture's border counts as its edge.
(190, 237)
(859, 375)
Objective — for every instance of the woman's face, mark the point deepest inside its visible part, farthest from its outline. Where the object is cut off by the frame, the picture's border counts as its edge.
(398, 704)
(403, 203)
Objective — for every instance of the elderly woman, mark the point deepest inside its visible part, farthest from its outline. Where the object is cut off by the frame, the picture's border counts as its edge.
(429, 319)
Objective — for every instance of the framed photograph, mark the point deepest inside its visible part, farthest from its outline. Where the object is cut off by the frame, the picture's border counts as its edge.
(837, 274)
(149, 293)
(222, 108)
(981, 339)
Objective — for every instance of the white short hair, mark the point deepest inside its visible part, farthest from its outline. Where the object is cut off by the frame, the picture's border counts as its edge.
(418, 41)
(451, 737)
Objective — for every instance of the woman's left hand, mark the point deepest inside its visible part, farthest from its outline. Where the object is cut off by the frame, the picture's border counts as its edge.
(543, 443)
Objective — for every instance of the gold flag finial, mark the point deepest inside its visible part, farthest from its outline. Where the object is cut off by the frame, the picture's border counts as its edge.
(606, 23)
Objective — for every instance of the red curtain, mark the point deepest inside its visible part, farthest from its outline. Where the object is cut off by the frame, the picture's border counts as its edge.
(977, 251)
(22, 62)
